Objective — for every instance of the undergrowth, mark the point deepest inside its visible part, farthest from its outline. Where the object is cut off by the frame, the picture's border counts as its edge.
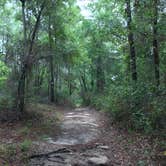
(137, 108)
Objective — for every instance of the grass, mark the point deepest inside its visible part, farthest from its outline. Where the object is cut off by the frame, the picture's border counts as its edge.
(17, 152)
(8, 150)
(24, 131)
(25, 145)
(8, 154)
(40, 119)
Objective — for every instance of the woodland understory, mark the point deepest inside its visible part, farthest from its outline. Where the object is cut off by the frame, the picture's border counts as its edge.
(60, 55)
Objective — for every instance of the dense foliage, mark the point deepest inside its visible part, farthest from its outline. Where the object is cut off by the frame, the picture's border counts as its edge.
(114, 59)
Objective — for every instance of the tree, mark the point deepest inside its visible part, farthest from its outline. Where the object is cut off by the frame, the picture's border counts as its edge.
(131, 41)
(28, 57)
(155, 43)
(52, 96)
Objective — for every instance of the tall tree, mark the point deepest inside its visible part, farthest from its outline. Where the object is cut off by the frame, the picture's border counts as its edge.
(131, 41)
(21, 83)
(155, 42)
(27, 61)
(52, 95)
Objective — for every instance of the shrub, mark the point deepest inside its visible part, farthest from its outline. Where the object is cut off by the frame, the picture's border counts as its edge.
(137, 108)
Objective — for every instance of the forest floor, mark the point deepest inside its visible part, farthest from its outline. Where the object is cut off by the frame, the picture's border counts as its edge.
(63, 136)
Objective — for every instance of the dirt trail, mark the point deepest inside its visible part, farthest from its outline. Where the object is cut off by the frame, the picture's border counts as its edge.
(79, 127)
(88, 139)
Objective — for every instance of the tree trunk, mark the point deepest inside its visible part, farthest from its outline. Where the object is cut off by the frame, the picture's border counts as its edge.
(24, 23)
(100, 79)
(131, 42)
(22, 80)
(26, 61)
(52, 95)
(92, 78)
(155, 44)
(69, 81)
(84, 86)
(21, 90)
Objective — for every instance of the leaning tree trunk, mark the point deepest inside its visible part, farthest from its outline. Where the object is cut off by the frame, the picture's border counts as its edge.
(131, 42)
(27, 58)
(155, 44)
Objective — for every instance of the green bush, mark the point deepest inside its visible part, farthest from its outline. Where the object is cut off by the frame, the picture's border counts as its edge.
(137, 108)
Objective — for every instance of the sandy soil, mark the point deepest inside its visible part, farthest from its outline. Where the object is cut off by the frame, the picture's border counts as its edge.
(85, 134)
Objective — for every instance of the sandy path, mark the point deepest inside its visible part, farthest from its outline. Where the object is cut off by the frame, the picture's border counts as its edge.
(87, 138)
(79, 127)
